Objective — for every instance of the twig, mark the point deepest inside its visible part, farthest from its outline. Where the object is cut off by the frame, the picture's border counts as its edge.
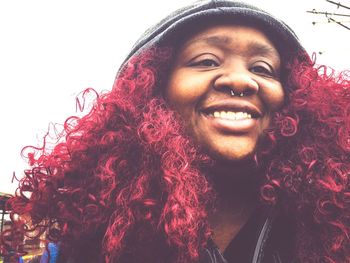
(338, 4)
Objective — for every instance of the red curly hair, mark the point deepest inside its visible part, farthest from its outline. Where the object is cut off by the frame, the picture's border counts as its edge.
(125, 183)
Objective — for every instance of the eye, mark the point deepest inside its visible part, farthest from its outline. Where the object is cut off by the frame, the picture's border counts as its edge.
(204, 62)
(263, 68)
(207, 63)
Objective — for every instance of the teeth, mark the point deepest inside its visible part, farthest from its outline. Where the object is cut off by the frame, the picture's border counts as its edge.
(217, 114)
(231, 115)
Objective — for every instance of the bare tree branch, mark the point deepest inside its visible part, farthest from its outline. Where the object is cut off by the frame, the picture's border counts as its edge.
(338, 4)
(326, 13)
(339, 23)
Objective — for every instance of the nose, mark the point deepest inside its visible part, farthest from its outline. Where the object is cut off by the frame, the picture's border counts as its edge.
(236, 83)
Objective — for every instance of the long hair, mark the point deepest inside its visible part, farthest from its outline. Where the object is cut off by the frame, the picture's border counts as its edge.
(125, 184)
(310, 167)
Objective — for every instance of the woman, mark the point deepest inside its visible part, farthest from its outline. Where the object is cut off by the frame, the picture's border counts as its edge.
(219, 142)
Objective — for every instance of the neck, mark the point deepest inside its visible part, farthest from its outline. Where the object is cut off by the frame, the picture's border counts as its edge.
(237, 188)
(235, 183)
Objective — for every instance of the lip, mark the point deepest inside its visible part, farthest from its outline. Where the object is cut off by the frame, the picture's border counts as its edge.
(228, 125)
(232, 105)
(232, 126)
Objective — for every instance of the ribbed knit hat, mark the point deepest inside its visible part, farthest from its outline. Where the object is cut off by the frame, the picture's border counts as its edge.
(180, 22)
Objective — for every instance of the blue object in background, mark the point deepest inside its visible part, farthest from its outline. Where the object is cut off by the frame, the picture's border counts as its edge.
(54, 250)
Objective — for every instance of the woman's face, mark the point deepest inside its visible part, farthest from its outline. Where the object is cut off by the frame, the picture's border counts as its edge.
(225, 84)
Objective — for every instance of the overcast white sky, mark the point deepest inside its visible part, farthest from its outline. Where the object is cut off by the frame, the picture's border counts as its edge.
(52, 50)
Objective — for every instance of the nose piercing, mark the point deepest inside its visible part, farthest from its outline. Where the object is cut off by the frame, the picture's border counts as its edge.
(233, 93)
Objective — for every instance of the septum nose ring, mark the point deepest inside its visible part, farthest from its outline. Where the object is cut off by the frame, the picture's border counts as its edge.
(233, 93)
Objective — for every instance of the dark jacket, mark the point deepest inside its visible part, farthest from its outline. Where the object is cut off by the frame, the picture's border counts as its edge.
(265, 238)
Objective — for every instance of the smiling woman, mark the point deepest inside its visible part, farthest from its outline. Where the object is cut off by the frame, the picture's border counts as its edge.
(219, 142)
(225, 83)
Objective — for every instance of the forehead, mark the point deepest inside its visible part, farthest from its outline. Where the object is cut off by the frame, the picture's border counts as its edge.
(231, 36)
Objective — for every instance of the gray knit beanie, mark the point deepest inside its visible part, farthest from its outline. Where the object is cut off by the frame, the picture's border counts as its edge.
(187, 19)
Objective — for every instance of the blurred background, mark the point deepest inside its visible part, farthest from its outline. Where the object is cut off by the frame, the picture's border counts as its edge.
(52, 50)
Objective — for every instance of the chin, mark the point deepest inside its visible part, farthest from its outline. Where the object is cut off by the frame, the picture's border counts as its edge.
(239, 158)
(233, 149)
(239, 150)
(233, 157)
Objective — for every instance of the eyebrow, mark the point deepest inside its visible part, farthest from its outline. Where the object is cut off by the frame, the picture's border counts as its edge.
(212, 40)
(254, 48)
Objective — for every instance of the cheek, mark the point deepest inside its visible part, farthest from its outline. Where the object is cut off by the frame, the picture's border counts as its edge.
(183, 91)
(273, 97)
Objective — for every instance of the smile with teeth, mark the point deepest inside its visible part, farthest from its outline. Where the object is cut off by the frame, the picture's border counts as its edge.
(231, 115)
